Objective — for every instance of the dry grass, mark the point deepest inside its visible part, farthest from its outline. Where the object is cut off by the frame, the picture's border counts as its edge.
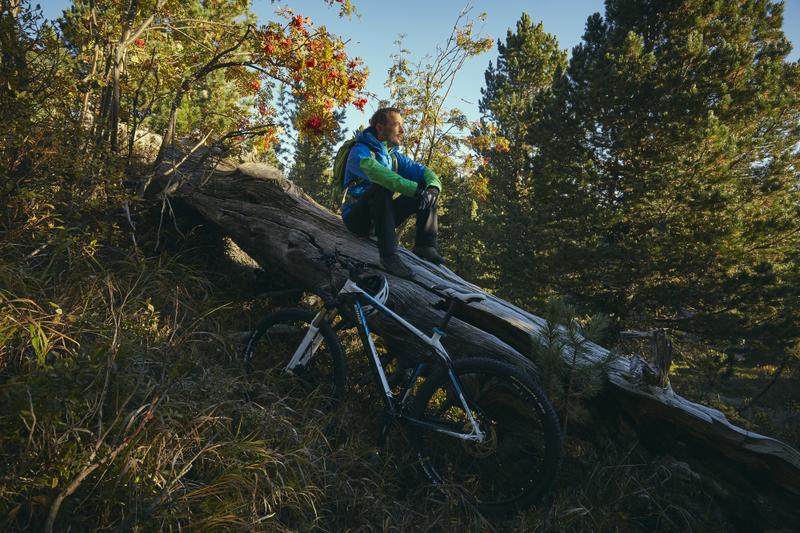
(125, 410)
(123, 407)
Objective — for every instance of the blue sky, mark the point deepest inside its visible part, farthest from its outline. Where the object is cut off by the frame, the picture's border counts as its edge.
(426, 23)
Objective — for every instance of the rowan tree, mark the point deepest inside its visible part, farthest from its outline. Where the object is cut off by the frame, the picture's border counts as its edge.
(435, 133)
(154, 58)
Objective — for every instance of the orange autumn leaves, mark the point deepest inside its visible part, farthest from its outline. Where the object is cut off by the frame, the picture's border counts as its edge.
(314, 64)
(486, 140)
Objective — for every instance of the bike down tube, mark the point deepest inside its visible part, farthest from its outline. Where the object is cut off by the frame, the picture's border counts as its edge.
(476, 434)
(375, 361)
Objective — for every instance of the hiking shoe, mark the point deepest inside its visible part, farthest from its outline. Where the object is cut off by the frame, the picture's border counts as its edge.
(428, 253)
(394, 265)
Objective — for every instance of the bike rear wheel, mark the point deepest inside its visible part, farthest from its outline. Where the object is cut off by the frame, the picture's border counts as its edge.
(517, 463)
(318, 384)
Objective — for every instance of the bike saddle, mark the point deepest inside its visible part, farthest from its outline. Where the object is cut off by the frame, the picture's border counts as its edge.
(462, 296)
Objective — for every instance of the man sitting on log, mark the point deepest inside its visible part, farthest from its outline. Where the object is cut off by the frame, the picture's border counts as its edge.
(375, 171)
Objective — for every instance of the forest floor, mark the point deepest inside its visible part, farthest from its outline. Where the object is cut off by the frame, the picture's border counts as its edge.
(610, 482)
(165, 332)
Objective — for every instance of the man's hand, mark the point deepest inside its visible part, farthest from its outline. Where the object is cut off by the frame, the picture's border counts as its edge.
(427, 198)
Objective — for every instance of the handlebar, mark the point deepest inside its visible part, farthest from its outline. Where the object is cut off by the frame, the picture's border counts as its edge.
(354, 268)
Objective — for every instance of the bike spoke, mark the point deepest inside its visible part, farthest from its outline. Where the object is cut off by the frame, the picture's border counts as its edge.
(317, 383)
(509, 467)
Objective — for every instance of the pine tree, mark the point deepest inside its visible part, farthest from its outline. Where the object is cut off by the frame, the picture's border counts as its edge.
(312, 168)
(528, 63)
(667, 171)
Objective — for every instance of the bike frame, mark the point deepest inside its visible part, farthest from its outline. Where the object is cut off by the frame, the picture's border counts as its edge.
(353, 295)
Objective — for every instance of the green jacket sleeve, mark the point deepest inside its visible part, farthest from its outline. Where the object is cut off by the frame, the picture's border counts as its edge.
(384, 177)
(431, 179)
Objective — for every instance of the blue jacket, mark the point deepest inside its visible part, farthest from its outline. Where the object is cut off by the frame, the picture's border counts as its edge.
(370, 161)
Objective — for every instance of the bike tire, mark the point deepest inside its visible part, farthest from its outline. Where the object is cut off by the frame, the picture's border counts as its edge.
(320, 384)
(518, 463)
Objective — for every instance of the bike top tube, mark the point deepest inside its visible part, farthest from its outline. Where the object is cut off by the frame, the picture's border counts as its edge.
(352, 291)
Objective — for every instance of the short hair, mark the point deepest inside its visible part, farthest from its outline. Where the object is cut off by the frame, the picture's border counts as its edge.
(381, 116)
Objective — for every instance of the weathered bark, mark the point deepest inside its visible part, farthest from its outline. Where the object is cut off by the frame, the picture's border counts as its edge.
(282, 228)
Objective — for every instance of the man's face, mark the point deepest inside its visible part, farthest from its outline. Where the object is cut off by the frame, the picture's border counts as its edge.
(392, 131)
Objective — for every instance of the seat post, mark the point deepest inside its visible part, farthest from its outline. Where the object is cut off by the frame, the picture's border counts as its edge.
(451, 305)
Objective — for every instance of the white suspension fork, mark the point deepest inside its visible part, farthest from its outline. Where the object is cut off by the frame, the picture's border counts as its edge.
(309, 345)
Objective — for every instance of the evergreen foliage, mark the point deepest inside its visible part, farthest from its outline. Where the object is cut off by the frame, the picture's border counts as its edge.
(517, 88)
(558, 350)
(663, 186)
(313, 162)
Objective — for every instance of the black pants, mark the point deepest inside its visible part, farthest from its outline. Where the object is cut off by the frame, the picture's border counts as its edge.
(376, 209)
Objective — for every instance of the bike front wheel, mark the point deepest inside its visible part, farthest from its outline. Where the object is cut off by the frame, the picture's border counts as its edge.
(518, 460)
(301, 368)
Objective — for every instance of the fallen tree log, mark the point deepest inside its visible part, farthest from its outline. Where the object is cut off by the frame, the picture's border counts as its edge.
(282, 228)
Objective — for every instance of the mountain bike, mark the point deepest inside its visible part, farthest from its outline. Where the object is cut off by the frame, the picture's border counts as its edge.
(476, 423)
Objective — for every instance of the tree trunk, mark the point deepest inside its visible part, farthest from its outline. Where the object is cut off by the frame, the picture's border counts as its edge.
(116, 79)
(282, 228)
